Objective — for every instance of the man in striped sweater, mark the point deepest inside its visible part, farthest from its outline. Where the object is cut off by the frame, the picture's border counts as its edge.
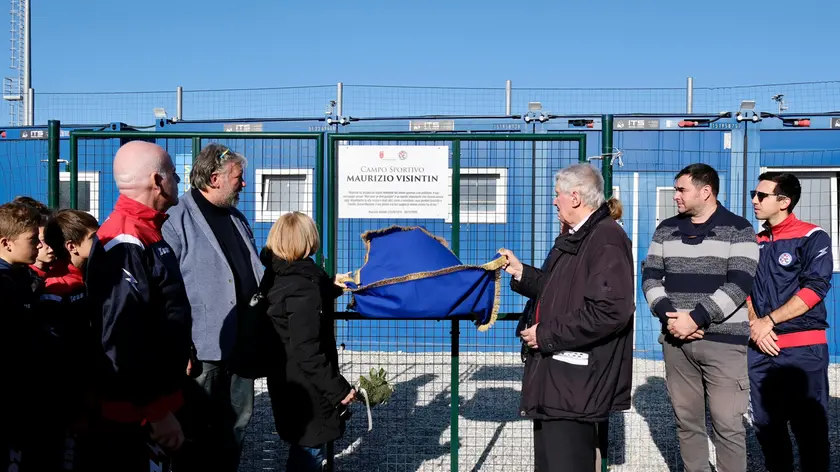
(696, 278)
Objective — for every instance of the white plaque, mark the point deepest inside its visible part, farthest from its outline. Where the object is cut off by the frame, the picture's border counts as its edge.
(393, 182)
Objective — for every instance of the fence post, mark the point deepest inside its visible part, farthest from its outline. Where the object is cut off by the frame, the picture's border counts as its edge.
(508, 95)
(339, 100)
(319, 197)
(196, 148)
(54, 134)
(454, 440)
(179, 103)
(689, 95)
(606, 153)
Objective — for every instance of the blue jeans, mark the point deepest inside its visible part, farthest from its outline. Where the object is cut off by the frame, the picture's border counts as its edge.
(305, 459)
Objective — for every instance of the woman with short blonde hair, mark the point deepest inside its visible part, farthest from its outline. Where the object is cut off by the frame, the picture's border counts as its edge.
(308, 394)
(294, 236)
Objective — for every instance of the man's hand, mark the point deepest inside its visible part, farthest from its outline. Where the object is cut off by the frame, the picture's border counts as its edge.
(760, 328)
(512, 266)
(696, 335)
(681, 325)
(189, 367)
(349, 398)
(768, 344)
(167, 432)
(530, 336)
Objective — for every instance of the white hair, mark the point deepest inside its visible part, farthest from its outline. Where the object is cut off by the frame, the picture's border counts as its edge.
(585, 180)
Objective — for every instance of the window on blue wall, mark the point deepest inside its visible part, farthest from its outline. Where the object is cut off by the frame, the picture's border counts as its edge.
(483, 196)
(819, 202)
(666, 207)
(281, 191)
(87, 192)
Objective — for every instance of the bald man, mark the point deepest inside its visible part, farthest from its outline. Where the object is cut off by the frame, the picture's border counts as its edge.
(145, 323)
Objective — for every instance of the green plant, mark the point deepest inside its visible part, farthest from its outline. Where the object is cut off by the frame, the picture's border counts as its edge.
(377, 387)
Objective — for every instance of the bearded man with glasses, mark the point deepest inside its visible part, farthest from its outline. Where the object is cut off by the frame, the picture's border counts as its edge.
(788, 359)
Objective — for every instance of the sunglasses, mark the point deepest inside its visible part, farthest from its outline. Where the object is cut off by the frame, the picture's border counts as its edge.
(761, 195)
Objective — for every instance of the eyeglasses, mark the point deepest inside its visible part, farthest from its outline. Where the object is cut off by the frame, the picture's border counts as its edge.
(222, 156)
(762, 195)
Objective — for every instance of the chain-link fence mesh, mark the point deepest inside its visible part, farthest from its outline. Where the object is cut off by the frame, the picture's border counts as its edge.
(23, 169)
(506, 192)
(136, 108)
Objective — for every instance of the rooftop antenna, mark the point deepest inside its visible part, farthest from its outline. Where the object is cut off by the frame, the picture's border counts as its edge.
(17, 85)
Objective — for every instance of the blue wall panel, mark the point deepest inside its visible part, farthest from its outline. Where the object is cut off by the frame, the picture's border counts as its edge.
(650, 161)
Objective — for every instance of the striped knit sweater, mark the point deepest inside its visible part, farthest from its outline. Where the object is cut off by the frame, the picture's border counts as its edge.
(706, 270)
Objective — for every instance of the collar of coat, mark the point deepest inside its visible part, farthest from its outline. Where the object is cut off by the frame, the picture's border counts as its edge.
(570, 243)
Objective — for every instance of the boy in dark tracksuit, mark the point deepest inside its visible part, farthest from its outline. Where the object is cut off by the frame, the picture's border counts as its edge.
(788, 362)
(46, 256)
(64, 311)
(19, 245)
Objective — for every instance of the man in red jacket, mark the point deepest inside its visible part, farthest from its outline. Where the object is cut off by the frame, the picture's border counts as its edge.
(145, 322)
(579, 365)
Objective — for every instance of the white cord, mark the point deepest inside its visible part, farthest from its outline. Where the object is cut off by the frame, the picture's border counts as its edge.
(367, 405)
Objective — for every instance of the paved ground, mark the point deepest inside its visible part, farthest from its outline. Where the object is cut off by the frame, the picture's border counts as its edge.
(412, 432)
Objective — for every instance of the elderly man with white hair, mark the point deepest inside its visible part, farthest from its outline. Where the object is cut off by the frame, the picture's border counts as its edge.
(579, 363)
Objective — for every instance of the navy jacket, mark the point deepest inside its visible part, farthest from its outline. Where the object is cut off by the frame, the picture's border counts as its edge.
(795, 259)
(64, 311)
(145, 321)
(19, 339)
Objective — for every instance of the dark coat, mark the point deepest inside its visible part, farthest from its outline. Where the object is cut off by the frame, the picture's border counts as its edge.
(585, 306)
(306, 395)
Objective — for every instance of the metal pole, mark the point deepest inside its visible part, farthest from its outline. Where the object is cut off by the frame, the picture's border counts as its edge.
(689, 95)
(534, 194)
(339, 99)
(74, 172)
(179, 108)
(53, 135)
(30, 106)
(507, 97)
(606, 153)
(454, 442)
(746, 133)
(27, 60)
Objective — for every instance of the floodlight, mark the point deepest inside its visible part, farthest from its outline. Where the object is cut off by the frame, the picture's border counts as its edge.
(160, 113)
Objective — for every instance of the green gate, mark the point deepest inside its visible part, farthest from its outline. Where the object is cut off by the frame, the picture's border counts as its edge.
(501, 196)
(501, 189)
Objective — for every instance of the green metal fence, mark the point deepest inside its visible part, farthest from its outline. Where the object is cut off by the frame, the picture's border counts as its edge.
(457, 389)
(439, 365)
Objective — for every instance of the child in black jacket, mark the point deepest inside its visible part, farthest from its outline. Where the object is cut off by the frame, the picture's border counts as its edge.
(19, 246)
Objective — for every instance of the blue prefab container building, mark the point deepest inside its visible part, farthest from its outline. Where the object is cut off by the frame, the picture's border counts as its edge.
(506, 191)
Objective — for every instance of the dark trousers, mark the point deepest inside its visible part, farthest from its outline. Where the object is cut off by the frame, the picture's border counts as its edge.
(564, 446)
(218, 406)
(47, 448)
(791, 388)
(126, 448)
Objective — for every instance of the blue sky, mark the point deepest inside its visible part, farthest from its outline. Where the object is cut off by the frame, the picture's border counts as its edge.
(107, 45)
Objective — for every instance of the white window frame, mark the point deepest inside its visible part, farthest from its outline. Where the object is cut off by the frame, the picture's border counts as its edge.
(658, 219)
(93, 178)
(831, 173)
(268, 216)
(499, 216)
(616, 193)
